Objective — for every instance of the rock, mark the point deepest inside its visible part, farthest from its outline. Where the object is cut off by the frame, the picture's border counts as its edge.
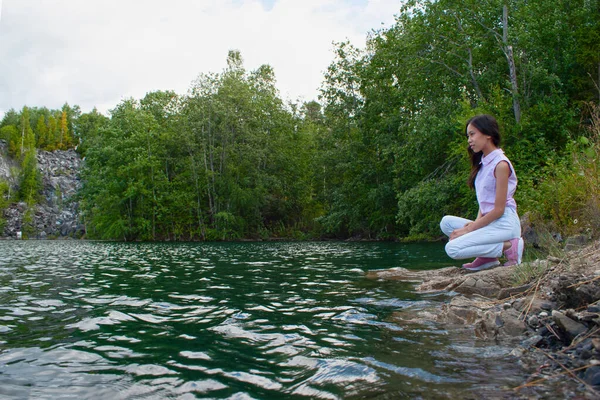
(588, 316)
(511, 291)
(547, 305)
(461, 310)
(6, 164)
(533, 321)
(585, 354)
(532, 341)
(592, 376)
(575, 242)
(517, 352)
(512, 326)
(57, 214)
(570, 327)
(407, 275)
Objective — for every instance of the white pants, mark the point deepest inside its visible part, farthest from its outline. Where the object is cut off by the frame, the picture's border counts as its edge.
(483, 242)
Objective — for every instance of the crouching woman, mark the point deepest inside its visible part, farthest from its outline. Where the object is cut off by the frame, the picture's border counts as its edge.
(497, 228)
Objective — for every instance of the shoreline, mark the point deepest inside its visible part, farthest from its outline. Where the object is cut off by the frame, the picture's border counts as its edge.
(554, 318)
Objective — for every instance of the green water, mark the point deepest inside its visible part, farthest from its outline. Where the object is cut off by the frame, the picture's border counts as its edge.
(228, 321)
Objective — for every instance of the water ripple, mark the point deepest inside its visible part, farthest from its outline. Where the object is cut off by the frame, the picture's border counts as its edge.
(222, 320)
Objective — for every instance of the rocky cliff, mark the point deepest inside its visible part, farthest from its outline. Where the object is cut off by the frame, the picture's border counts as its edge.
(57, 214)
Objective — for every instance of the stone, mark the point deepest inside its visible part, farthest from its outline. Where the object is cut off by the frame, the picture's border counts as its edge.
(532, 341)
(60, 180)
(517, 352)
(543, 331)
(585, 354)
(533, 321)
(575, 242)
(588, 316)
(592, 376)
(571, 328)
(511, 291)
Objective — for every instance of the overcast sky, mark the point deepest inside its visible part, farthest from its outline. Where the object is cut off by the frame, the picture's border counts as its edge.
(98, 52)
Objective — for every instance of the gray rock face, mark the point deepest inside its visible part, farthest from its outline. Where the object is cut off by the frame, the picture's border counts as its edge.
(57, 214)
(5, 164)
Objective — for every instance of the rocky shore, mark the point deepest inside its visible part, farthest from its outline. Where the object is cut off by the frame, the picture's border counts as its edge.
(56, 215)
(553, 317)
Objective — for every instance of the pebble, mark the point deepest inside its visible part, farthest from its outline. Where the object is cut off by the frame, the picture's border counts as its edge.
(532, 341)
(592, 376)
(585, 354)
(533, 321)
(517, 352)
(543, 314)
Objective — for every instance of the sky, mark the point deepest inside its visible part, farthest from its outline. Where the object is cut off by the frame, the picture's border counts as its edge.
(95, 53)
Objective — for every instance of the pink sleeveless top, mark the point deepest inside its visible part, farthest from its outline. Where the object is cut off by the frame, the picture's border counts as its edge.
(485, 182)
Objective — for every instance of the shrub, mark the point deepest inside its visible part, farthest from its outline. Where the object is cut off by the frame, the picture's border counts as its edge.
(569, 196)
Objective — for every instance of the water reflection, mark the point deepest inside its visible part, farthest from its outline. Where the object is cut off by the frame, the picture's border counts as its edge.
(241, 320)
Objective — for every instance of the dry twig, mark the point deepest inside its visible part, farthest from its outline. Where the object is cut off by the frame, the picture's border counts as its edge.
(568, 371)
(537, 381)
(583, 283)
(581, 339)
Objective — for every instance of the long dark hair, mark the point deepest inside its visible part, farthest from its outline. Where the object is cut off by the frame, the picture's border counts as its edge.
(487, 125)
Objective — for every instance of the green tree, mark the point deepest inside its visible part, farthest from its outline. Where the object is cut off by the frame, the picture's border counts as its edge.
(30, 181)
(42, 132)
(10, 133)
(89, 126)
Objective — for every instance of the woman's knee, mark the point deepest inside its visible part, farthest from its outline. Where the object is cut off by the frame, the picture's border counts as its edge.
(444, 223)
(452, 250)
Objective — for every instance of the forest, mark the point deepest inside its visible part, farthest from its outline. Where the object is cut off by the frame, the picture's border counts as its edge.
(380, 155)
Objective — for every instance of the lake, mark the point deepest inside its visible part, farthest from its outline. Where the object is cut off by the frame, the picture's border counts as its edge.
(271, 320)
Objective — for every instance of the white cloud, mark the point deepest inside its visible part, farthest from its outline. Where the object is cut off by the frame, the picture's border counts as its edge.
(96, 52)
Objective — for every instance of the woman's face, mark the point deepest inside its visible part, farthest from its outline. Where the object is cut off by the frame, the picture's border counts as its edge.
(479, 141)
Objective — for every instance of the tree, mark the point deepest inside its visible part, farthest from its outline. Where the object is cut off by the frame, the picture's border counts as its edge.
(11, 134)
(30, 179)
(42, 132)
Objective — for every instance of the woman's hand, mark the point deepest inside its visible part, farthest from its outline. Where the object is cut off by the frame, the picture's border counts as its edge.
(460, 231)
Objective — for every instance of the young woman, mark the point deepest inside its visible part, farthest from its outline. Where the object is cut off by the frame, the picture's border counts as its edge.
(497, 228)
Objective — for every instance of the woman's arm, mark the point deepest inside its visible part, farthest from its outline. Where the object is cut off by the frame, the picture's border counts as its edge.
(502, 173)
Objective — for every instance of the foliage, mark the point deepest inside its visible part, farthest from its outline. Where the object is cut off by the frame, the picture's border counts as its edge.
(570, 194)
(397, 110)
(529, 272)
(30, 180)
(224, 162)
(380, 156)
(52, 129)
